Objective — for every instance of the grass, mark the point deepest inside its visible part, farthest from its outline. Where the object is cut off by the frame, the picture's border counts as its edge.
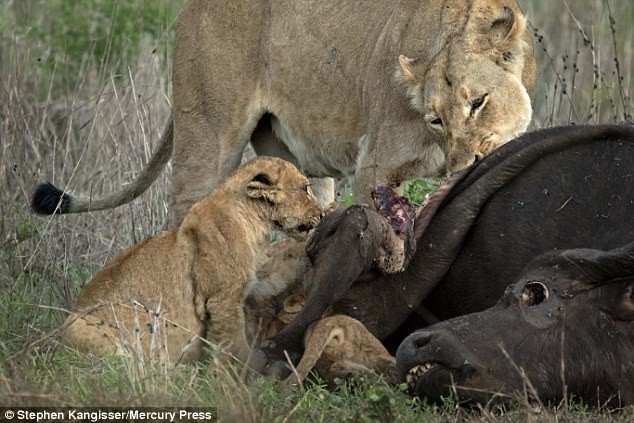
(84, 105)
(584, 51)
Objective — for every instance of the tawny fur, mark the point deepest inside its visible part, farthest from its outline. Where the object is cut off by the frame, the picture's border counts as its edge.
(163, 296)
(341, 347)
(281, 289)
(314, 83)
(272, 296)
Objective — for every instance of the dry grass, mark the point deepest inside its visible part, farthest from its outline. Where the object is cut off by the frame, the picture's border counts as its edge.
(94, 135)
(584, 53)
(91, 142)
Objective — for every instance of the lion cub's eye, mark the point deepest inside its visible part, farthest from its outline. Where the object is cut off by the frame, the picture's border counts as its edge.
(477, 103)
(306, 189)
(433, 119)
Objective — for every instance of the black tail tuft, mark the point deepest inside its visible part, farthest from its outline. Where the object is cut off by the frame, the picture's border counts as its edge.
(46, 199)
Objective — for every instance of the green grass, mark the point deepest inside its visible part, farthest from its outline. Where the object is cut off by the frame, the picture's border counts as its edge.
(47, 374)
(69, 37)
(84, 95)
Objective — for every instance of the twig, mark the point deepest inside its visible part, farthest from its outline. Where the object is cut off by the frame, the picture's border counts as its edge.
(564, 204)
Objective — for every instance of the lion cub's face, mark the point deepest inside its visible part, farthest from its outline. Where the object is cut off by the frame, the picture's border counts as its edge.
(471, 94)
(283, 194)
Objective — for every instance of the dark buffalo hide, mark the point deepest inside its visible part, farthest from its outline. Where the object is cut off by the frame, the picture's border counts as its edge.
(558, 188)
(565, 327)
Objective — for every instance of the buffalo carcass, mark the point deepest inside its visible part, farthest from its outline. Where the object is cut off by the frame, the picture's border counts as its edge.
(557, 188)
(565, 327)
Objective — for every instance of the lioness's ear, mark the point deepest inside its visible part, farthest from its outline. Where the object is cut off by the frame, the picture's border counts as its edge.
(507, 27)
(261, 186)
(508, 39)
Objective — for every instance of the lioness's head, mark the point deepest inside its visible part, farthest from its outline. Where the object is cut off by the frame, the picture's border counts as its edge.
(282, 194)
(473, 94)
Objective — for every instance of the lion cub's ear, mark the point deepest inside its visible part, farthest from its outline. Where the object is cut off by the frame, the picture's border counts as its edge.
(411, 71)
(261, 186)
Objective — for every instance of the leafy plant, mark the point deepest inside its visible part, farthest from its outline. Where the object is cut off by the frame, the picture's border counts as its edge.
(417, 190)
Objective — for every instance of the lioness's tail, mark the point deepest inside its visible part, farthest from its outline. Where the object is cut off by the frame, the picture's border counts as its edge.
(317, 339)
(48, 199)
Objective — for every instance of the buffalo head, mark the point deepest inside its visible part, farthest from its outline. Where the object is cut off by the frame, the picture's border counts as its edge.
(565, 326)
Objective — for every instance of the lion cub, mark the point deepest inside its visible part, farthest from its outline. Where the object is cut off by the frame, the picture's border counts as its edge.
(342, 347)
(163, 295)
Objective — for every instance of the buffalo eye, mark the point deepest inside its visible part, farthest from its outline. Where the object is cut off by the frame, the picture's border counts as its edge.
(534, 293)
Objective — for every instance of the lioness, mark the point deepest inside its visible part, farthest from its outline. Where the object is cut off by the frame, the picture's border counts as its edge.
(382, 90)
(169, 291)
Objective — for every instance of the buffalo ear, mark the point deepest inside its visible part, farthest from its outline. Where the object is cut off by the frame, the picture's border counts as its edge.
(596, 267)
(587, 269)
(625, 304)
(580, 269)
(261, 186)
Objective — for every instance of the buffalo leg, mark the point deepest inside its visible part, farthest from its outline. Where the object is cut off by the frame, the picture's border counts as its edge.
(343, 248)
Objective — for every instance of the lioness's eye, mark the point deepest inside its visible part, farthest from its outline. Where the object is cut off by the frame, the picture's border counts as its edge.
(437, 121)
(306, 188)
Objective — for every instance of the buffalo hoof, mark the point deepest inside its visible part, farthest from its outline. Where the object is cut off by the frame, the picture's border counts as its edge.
(258, 360)
(270, 360)
(279, 370)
